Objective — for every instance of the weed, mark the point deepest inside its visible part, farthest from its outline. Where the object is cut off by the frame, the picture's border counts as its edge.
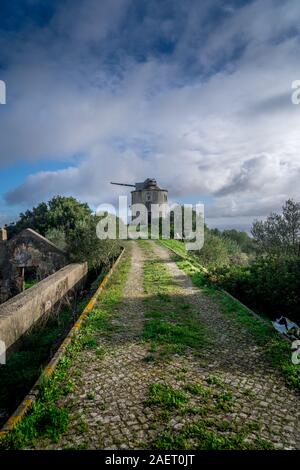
(170, 441)
(225, 401)
(100, 352)
(196, 389)
(274, 348)
(213, 380)
(166, 396)
(170, 330)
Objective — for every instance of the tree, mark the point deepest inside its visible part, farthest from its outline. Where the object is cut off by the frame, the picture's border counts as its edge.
(60, 213)
(57, 237)
(280, 233)
(65, 213)
(35, 218)
(70, 225)
(84, 245)
(246, 243)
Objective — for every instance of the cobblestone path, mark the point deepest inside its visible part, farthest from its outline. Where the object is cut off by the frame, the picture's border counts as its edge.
(127, 396)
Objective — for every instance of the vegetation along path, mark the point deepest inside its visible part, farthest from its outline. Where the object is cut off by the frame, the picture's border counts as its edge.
(160, 365)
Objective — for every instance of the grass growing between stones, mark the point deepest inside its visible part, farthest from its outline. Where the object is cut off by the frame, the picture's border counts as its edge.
(46, 419)
(205, 435)
(275, 349)
(207, 428)
(172, 327)
(190, 415)
(166, 396)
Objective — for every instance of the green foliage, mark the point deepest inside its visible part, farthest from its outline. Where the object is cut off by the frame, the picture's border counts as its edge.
(58, 237)
(165, 332)
(218, 250)
(169, 327)
(246, 243)
(214, 380)
(275, 349)
(225, 248)
(166, 396)
(46, 419)
(70, 225)
(212, 434)
(209, 439)
(280, 233)
(168, 440)
(84, 245)
(30, 283)
(24, 365)
(225, 401)
(196, 389)
(60, 213)
(215, 251)
(269, 285)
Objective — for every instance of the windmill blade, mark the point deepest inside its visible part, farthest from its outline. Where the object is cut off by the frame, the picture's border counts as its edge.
(123, 184)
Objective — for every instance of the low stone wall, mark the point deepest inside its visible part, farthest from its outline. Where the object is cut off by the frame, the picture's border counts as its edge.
(18, 314)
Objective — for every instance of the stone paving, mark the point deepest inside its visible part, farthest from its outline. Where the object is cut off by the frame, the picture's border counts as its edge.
(108, 407)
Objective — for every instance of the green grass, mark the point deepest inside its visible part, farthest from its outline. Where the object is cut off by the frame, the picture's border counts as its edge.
(170, 441)
(24, 365)
(30, 283)
(166, 397)
(214, 380)
(178, 248)
(47, 419)
(273, 347)
(172, 327)
(211, 435)
(198, 390)
(225, 401)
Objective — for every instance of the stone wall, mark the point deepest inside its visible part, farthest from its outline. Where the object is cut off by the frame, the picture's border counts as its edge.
(18, 314)
(26, 250)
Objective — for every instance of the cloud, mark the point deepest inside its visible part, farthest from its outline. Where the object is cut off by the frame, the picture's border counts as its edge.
(198, 99)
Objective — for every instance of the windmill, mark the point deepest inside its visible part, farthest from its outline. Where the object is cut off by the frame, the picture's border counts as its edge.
(147, 193)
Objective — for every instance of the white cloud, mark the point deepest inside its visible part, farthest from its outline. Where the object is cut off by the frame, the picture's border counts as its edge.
(229, 132)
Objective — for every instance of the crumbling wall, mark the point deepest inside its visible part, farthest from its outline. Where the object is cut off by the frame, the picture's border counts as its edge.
(26, 250)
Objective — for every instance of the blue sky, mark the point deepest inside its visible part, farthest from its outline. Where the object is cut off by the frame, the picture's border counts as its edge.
(196, 94)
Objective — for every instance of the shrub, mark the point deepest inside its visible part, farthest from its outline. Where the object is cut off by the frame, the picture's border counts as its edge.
(269, 285)
(219, 251)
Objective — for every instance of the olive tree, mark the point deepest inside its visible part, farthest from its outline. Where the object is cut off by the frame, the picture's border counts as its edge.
(280, 233)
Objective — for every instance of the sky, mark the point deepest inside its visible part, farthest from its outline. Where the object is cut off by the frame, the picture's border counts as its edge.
(196, 94)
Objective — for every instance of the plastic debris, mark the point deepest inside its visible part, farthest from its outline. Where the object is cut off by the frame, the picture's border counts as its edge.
(287, 327)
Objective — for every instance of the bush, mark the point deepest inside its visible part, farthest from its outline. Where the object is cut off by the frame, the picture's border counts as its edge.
(84, 245)
(269, 285)
(60, 213)
(246, 243)
(219, 251)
